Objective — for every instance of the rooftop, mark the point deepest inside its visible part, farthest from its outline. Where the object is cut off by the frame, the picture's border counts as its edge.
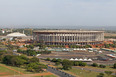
(65, 31)
(16, 34)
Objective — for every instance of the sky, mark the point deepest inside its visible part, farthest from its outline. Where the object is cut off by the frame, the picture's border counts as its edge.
(38, 13)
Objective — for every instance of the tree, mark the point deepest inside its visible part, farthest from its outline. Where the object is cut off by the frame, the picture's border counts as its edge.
(24, 57)
(13, 60)
(35, 67)
(96, 45)
(17, 61)
(19, 51)
(108, 72)
(94, 65)
(66, 64)
(59, 60)
(31, 52)
(53, 60)
(33, 60)
(48, 59)
(7, 59)
(2, 53)
(4, 39)
(82, 63)
(102, 66)
(75, 63)
(88, 46)
(100, 75)
(114, 66)
(31, 46)
(57, 63)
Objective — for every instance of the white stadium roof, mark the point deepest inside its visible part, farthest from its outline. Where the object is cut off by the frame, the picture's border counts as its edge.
(16, 34)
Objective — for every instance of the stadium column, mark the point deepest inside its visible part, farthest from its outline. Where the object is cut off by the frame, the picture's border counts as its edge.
(49, 37)
(64, 37)
(53, 38)
(74, 37)
(71, 37)
(59, 37)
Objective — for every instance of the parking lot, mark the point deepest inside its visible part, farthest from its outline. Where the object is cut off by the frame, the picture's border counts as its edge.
(96, 57)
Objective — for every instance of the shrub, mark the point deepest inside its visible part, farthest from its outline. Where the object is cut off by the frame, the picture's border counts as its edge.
(100, 75)
(57, 63)
(66, 64)
(53, 60)
(58, 60)
(82, 63)
(114, 66)
(94, 65)
(48, 59)
(108, 72)
(102, 66)
(75, 63)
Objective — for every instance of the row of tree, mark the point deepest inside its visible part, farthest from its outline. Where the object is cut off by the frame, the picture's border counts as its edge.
(31, 52)
(79, 46)
(96, 65)
(108, 73)
(102, 66)
(67, 64)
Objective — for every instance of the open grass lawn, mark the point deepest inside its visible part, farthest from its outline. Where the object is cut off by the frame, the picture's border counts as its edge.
(6, 71)
(21, 70)
(83, 73)
(108, 68)
(46, 76)
(9, 70)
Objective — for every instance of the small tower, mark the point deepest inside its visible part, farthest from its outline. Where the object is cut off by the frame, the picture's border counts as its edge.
(23, 31)
(3, 31)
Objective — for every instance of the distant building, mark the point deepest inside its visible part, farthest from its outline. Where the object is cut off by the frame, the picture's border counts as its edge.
(68, 37)
(3, 31)
(16, 34)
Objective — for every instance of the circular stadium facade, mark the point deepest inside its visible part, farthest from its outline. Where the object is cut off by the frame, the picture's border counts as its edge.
(68, 37)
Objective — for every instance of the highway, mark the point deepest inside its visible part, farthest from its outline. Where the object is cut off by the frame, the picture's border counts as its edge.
(77, 67)
(58, 72)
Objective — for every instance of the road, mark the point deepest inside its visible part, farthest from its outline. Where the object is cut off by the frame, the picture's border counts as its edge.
(83, 68)
(58, 72)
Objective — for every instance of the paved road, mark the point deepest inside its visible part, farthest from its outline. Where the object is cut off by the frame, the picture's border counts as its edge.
(88, 69)
(58, 72)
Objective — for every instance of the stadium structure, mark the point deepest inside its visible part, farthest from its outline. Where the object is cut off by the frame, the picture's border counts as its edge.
(68, 37)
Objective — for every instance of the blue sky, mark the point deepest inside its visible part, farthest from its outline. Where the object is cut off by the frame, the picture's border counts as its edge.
(38, 13)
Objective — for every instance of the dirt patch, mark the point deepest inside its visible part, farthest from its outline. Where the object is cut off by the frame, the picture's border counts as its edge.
(43, 74)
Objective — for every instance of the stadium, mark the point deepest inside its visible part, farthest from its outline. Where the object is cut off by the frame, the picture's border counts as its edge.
(68, 37)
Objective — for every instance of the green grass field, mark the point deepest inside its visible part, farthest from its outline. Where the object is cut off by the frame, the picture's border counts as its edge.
(83, 73)
(6, 71)
(108, 68)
